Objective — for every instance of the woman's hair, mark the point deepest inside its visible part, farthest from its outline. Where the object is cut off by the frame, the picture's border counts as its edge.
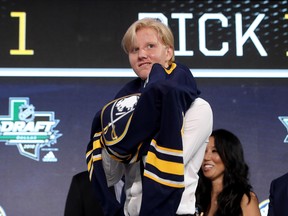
(164, 32)
(235, 180)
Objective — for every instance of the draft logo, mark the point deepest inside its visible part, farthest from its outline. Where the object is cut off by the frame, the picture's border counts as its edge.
(29, 130)
(284, 120)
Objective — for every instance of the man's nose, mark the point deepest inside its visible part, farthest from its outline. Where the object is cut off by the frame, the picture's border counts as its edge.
(142, 53)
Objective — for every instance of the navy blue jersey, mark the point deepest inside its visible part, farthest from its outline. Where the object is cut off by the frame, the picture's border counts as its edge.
(145, 119)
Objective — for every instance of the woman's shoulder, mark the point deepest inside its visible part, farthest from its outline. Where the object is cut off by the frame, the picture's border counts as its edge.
(250, 206)
(245, 199)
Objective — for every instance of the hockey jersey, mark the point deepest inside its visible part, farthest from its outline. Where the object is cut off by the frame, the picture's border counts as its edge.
(145, 120)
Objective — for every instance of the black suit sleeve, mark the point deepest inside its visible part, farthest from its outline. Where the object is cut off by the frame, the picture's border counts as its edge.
(74, 205)
(80, 199)
(271, 200)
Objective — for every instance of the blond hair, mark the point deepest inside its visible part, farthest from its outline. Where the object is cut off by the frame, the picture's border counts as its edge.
(164, 33)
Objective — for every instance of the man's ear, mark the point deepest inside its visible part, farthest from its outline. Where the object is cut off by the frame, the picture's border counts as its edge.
(169, 53)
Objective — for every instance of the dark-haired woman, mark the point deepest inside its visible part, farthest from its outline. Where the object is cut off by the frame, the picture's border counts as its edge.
(224, 188)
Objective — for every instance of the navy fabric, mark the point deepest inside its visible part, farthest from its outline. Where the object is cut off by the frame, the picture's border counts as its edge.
(154, 124)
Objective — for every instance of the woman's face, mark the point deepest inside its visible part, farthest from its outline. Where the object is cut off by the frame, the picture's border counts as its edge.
(147, 50)
(212, 166)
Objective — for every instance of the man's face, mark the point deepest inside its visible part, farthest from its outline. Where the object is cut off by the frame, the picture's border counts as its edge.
(147, 50)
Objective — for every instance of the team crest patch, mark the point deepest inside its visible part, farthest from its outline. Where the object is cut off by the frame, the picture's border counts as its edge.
(116, 117)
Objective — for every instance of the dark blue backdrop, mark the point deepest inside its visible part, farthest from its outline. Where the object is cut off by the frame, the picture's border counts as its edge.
(76, 34)
(248, 107)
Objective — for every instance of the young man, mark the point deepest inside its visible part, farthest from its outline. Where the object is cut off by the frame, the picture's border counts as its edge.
(154, 133)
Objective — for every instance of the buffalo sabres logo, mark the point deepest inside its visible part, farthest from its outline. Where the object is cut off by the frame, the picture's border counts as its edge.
(126, 104)
(116, 117)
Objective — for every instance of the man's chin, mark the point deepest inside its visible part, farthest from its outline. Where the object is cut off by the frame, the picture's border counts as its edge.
(143, 74)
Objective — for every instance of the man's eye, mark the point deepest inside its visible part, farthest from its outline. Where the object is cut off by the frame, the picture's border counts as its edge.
(133, 50)
(150, 46)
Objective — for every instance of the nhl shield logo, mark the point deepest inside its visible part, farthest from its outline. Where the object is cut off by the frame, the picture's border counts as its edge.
(26, 112)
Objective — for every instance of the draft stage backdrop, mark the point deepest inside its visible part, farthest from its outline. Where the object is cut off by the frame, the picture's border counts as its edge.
(61, 61)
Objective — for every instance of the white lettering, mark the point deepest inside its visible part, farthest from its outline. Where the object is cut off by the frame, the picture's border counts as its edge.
(182, 33)
(29, 146)
(202, 34)
(29, 127)
(22, 126)
(18, 126)
(6, 126)
(241, 39)
(47, 126)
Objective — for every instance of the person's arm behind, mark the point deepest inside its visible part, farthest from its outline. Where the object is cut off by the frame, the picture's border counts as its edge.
(250, 208)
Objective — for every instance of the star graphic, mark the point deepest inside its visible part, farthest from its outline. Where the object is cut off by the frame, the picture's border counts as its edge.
(284, 120)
